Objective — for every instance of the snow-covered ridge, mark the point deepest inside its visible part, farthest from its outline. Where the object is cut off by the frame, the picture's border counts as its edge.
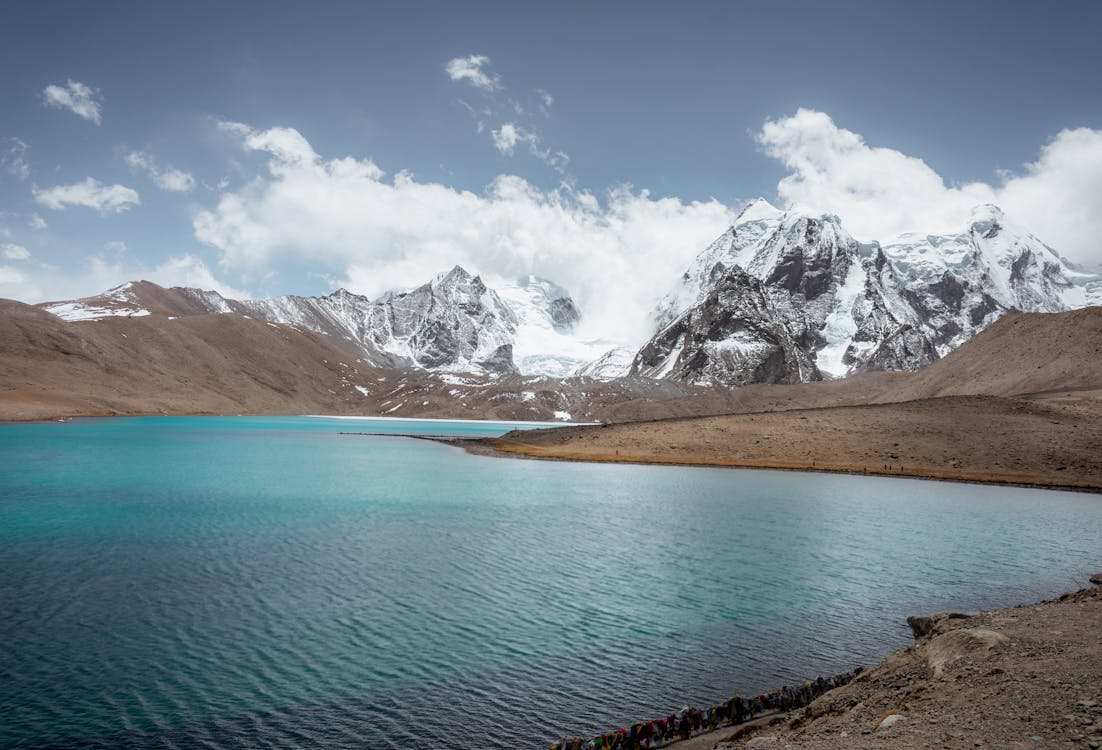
(453, 323)
(781, 296)
(846, 305)
(117, 302)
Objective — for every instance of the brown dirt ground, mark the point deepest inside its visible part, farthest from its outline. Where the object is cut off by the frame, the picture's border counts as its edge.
(1049, 439)
(1023, 677)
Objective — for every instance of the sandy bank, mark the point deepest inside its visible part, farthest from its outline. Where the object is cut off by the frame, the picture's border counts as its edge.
(1049, 440)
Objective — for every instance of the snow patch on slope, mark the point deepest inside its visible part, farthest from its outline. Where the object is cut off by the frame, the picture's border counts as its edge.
(840, 327)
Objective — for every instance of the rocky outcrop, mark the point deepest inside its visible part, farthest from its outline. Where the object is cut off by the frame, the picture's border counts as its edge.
(733, 337)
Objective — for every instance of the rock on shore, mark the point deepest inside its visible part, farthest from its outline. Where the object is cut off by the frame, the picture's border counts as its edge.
(1023, 677)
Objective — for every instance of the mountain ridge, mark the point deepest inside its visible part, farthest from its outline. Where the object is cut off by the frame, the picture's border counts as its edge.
(782, 296)
(846, 306)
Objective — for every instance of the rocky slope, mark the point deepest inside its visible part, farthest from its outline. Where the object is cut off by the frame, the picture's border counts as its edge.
(958, 284)
(154, 363)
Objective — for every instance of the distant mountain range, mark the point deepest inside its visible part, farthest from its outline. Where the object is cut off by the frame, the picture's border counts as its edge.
(453, 323)
(781, 297)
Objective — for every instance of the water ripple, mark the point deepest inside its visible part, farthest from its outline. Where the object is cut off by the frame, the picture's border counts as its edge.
(202, 583)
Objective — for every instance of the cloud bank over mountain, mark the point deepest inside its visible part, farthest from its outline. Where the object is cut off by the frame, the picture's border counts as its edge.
(880, 192)
(615, 253)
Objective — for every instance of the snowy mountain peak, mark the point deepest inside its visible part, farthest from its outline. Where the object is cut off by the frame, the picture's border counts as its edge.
(796, 282)
(758, 209)
(458, 275)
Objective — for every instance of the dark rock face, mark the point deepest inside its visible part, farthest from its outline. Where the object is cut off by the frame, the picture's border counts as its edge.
(564, 314)
(921, 625)
(905, 350)
(733, 337)
(500, 360)
(805, 299)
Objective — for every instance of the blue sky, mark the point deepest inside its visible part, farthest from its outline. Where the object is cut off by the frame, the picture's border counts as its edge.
(570, 140)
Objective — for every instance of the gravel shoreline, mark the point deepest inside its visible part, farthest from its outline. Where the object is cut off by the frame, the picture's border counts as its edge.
(1028, 676)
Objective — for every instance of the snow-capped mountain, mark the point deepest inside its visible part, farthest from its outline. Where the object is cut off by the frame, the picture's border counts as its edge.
(735, 336)
(802, 281)
(781, 296)
(807, 300)
(960, 283)
(453, 323)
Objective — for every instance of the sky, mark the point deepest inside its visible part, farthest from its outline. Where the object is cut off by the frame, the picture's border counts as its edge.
(291, 148)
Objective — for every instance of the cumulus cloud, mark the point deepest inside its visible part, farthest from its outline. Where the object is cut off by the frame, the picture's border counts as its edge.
(880, 192)
(78, 98)
(37, 222)
(14, 161)
(11, 251)
(90, 193)
(473, 70)
(170, 179)
(617, 254)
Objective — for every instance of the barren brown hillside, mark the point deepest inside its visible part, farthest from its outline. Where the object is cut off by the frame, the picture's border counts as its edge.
(1038, 420)
(1021, 402)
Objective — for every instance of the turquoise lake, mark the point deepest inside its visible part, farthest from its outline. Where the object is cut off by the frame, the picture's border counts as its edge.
(272, 582)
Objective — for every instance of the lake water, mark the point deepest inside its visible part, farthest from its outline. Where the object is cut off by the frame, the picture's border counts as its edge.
(270, 582)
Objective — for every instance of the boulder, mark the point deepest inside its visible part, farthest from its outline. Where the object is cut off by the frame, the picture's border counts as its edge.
(921, 625)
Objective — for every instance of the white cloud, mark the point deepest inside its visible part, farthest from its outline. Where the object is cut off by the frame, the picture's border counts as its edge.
(76, 97)
(37, 222)
(880, 192)
(11, 251)
(14, 160)
(14, 284)
(173, 180)
(510, 134)
(344, 220)
(97, 273)
(91, 193)
(505, 138)
(520, 128)
(473, 70)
